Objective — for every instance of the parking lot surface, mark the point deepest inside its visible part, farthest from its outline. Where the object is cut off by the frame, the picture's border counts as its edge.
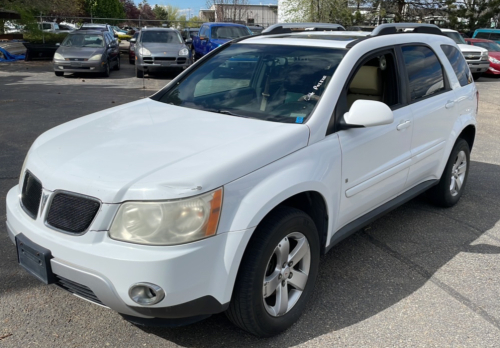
(420, 276)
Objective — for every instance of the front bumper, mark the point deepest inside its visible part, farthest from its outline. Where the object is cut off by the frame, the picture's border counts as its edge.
(478, 66)
(88, 66)
(197, 277)
(494, 69)
(162, 63)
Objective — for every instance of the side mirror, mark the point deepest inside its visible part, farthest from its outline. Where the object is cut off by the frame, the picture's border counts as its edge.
(203, 38)
(133, 40)
(189, 40)
(367, 113)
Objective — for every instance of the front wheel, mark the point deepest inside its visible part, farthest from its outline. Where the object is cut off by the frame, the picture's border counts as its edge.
(452, 183)
(117, 66)
(139, 73)
(107, 72)
(277, 273)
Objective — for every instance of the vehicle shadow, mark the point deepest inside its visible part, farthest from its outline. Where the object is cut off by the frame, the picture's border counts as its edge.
(377, 267)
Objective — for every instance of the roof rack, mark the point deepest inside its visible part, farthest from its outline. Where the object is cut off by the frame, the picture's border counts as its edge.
(392, 28)
(283, 28)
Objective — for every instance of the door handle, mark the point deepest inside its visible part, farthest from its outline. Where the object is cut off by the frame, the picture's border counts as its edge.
(403, 125)
(450, 104)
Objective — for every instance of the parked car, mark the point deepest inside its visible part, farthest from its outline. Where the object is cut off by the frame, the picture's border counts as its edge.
(488, 34)
(53, 27)
(160, 49)
(213, 35)
(255, 29)
(298, 27)
(92, 51)
(121, 34)
(476, 57)
(221, 191)
(493, 53)
(188, 34)
(131, 50)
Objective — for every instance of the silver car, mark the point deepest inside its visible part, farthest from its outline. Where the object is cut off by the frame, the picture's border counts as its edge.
(87, 51)
(160, 49)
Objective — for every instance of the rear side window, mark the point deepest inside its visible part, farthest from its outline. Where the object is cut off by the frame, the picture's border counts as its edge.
(458, 63)
(495, 36)
(482, 35)
(424, 71)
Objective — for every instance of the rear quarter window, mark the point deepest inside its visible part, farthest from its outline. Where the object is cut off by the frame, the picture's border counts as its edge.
(458, 63)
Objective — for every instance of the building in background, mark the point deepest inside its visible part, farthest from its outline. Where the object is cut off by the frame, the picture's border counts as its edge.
(263, 15)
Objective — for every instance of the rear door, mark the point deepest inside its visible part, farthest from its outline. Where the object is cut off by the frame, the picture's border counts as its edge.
(434, 107)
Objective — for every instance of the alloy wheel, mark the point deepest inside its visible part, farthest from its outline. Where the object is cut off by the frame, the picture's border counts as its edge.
(458, 172)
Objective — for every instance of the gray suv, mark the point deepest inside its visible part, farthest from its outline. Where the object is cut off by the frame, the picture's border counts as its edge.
(159, 49)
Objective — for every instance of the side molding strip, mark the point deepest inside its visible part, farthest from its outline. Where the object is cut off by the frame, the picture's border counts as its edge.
(368, 218)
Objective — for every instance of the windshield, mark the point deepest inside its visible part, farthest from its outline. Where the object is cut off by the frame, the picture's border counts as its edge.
(83, 40)
(273, 83)
(490, 46)
(256, 30)
(161, 37)
(227, 32)
(455, 37)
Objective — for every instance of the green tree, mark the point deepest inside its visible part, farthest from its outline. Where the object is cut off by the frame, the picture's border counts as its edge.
(104, 9)
(476, 13)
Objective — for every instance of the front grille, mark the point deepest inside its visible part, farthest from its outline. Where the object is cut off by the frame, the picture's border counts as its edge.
(472, 55)
(165, 58)
(72, 213)
(31, 194)
(77, 289)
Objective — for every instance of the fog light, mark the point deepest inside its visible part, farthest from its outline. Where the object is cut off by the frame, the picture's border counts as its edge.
(92, 68)
(61, 67)
(146, 294)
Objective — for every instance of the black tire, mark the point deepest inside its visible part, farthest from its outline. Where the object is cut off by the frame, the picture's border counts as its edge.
(247, 309)
(193, 55)
(476, 76)
(27, 56)
(441, 194)
(107, 72)
(117, 66)
(59, 73)
(139, 73)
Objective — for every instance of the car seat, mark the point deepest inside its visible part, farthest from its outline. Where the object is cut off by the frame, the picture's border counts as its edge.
(366, 84)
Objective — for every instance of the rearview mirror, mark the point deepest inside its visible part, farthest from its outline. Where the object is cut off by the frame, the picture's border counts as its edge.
(368, 113)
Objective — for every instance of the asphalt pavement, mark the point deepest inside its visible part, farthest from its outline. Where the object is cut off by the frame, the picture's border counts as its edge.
(419, 277)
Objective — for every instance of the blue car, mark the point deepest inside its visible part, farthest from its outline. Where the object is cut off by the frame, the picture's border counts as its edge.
(212, 35)
(488, 34)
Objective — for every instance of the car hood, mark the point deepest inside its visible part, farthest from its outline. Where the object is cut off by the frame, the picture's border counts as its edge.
(79, 52)
(147, 150)
(163, 48)
(470, 48)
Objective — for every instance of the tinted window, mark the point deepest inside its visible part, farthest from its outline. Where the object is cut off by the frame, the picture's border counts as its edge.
(482, 35)
(458, 63)
(227, 32)
(83, 40)
(495, 36)
(425, 74)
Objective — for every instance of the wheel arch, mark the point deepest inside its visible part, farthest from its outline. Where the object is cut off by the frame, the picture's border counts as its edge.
(469, 135)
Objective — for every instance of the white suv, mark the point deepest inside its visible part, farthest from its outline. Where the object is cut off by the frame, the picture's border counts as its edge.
(221, 191)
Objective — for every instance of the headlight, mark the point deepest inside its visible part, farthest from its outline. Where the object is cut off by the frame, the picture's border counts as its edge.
(96, 57)
(184, 52)
(144, 51)
(484, 55)
(58, 56)
(169, 222)
(132, 48)
(494, 60)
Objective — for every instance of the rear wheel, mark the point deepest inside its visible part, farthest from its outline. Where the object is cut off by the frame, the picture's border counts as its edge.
(452, 184)
(277, 273)
(117, 66)
(59, 73)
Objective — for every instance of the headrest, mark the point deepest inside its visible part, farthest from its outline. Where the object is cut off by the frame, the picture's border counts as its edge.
(367, 81)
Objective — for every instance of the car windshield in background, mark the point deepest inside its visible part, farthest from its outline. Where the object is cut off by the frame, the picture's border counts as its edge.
(456, 37)
(256, 31)
(273, 83)
(83, 40)
(227, 32)
(161, 37)
(490, 46)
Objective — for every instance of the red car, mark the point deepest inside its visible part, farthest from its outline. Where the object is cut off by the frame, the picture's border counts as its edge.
(131, 50)
(493, 52)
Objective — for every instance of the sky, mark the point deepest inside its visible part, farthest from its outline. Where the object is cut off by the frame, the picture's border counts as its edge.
(195, 5)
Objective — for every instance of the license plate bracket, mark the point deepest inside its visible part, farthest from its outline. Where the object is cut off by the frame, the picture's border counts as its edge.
(35, 259)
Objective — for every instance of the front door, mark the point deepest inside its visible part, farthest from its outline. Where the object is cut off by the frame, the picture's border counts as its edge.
(375, 160)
